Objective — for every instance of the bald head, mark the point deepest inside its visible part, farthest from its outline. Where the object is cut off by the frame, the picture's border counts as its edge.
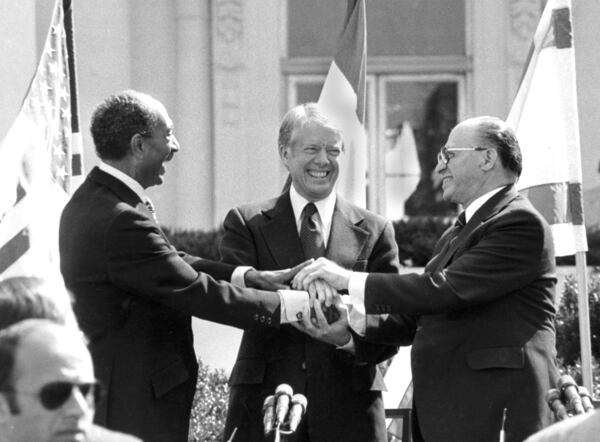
(496, 133)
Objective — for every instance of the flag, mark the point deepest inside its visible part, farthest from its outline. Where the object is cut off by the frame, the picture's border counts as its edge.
(37, 165)
(343, 95)
(544, 116)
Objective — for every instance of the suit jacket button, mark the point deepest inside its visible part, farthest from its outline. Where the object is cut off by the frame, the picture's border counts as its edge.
(303, 366)
(262, 319)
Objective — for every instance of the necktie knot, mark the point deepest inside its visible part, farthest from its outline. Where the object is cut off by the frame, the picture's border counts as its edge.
(309, 211)
(461, 221)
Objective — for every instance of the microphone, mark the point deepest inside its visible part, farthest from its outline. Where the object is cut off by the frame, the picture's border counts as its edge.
(586, 399)
(556, 405)
(570, 392)
(268, 409)
(283, 393)
(299, 403)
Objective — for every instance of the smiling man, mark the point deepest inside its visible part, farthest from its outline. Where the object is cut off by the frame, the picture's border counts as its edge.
(134, 293)
(336, 372)
(485, 344)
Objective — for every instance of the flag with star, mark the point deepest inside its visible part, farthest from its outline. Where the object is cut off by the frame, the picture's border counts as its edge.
(344, 94)
(40, 162)
(545, 118)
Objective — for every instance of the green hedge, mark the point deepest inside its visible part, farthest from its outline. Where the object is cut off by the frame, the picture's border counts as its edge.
(415, 237)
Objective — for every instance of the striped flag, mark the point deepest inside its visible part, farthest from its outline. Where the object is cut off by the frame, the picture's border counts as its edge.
(343, 95)
(37, 164)
(544, 115)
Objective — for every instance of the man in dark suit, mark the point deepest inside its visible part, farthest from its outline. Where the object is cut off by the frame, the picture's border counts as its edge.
(338, 374)
(134, 293)
(485, 339)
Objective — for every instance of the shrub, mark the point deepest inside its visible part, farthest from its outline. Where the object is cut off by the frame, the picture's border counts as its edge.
(416, 238)
(567, 329)
(203, 243)
(209, 408)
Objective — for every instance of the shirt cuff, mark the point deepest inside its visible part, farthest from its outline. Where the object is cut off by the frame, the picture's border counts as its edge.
(356, 290)
(237, 277)
(294, 305)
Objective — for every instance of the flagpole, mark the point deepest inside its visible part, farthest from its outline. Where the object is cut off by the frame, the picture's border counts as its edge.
(76, 168)
(68, 22)
(584, 321)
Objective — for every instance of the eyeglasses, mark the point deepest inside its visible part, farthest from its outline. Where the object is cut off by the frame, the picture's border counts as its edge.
(443, 156)
(55, 394)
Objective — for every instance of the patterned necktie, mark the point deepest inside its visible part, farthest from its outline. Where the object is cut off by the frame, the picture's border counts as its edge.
(150, 207)
(311, 234)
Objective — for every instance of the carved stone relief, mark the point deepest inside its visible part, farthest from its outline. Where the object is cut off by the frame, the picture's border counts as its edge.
(524, 16)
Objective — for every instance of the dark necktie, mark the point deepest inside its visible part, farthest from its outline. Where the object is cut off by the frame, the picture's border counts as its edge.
(313, 244)
(311, 235)
(458, 226)
(441, 259)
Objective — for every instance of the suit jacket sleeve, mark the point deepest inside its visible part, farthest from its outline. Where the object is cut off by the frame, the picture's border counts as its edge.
(219, 270)
(503, 255)
(141, 261)
(387, 331)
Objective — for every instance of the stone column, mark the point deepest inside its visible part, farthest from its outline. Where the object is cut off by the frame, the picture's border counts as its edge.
(246, 97)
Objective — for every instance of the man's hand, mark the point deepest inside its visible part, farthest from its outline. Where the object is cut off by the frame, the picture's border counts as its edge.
(273, 279)
(336, 276)
(568, 399)
(337, 333)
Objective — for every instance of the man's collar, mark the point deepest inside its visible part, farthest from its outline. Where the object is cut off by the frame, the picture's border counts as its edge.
(476, 205)
(325, 207)
(125, 179)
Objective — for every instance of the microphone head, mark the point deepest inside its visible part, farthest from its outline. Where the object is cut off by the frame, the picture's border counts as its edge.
(284, 389)
(269, 402)
(300, 399)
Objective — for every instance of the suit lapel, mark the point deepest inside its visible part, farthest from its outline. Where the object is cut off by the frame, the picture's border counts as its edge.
(491, 207)
(281, 234)
(346, 239)
(123, 192)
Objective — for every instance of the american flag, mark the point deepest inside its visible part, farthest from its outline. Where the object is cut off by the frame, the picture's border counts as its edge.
(39, 160)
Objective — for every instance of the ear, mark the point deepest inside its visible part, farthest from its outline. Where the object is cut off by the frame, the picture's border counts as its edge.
(489, 159)
(284, 153)
(136, 145)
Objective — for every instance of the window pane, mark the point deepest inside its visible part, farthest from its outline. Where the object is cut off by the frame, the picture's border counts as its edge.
(394, 27)
(419, 117)
(308, 92)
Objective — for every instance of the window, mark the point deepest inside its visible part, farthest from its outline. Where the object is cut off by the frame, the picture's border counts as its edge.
(416, 90)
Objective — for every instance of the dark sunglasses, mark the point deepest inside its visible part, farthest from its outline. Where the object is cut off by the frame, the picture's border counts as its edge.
(55, 394)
